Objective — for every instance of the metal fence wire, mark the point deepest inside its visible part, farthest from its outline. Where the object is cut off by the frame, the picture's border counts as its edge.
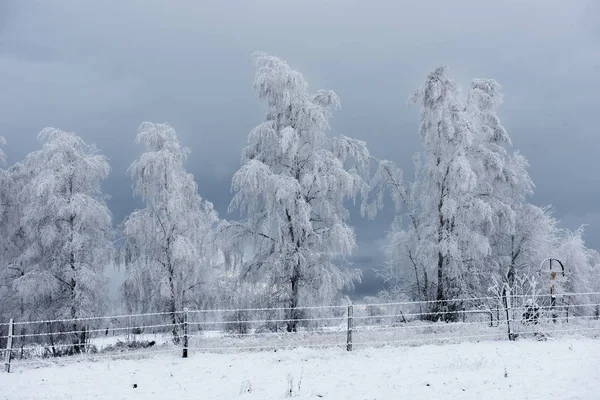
(348, 327)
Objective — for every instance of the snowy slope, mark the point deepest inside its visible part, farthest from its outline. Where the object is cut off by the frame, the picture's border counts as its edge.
(561, 369)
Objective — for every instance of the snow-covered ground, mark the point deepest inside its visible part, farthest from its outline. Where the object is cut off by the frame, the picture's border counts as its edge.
(566, 368)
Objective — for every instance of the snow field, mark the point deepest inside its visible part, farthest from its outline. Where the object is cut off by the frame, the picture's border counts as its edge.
(566, 368)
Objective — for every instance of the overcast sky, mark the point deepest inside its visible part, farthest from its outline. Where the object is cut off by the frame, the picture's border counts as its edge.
(100, 68)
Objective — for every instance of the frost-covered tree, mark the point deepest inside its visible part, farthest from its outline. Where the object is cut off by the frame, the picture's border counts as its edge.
(405, 271)
(457, 219)
(449, 209)
(291, 189)
(13, 243)
(520, 234)
(496, 186)
(8, 222)
(528, 242)
(581, 270)
(165, 242)
(465, 225)
(66, 229)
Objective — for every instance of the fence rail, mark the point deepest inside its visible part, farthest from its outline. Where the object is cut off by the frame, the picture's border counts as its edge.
(345, 327)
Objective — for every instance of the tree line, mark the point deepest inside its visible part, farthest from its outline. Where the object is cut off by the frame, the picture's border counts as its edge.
(464, 223)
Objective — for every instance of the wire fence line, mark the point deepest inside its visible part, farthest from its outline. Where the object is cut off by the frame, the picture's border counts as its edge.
(246, 329)
(323, 307)
(359, 317)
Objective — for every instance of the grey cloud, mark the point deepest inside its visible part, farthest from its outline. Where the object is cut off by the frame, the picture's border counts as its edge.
(101, 68)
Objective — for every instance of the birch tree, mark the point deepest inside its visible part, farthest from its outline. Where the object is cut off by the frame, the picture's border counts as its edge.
(467, 210)
(7, 227)
(582, 266)
(447, 214)
(13, 243)
(165, 251)
(291, 190)
(520, 233)
(406, 270)
(66, 229)
(448, 200)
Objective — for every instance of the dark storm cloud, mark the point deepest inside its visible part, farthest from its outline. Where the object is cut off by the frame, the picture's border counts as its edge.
(101, 68)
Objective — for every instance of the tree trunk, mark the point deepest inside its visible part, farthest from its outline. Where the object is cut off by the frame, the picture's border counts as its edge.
(173, 308)
(425, 285)
(77, 336)
(419, 293)
(510, 276)
(440, 278)
(79, 333)
(440, 304)
(172, 304)
(292, 322)
(77, 347)
(51, 336)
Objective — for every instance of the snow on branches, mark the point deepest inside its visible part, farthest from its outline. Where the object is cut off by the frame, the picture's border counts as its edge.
(291, 190)
(462, 218)
(165, 242)
(66, 228)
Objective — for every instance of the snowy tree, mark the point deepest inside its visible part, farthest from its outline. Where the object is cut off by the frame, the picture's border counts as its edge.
(66, 227)
(531, 239)
(291, 188)
(405, 271)
(165, 251)
(466, 212)
(449, 208)
(520, 234)
(581, 270)
(461, 209)
(8, 222)
(497, 186)
(12, 242)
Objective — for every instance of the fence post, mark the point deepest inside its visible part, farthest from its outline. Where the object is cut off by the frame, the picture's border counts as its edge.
(507, 306)
(9, 341)
(350, 326)
(185, 333)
